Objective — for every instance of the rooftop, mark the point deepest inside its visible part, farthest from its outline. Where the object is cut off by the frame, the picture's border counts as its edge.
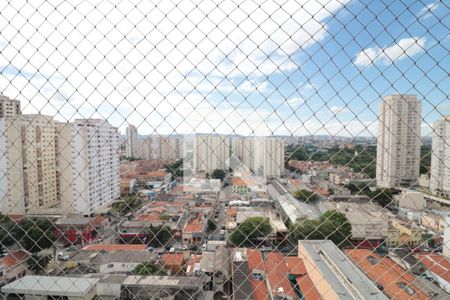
(255, 262)
(436, 263)
(14, 257)
(277, 275)
(51, 286)
(386, 273)
(173, 259)
(178, 282)
(307, 287)
(333, 273)
(115, 247)
(194, 226)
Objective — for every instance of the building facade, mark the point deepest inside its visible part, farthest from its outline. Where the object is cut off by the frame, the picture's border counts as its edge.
(399, 141)
(440, 158)
(264, 156)
(211, 152)
(39, 153)
(11, 164)
(89, 165)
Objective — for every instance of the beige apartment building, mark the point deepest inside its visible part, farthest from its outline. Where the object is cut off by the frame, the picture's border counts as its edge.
(11, 164)
(440, 159)
(399, 141)
(132, 145)
(39, 141)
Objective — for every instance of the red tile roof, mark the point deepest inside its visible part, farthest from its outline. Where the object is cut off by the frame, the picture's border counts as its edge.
(385, 272)
(115, 247)
(14, 258)
(237, 181)
(196, 225)
(255, 261)
(436, 263)
(173, 259)
(97, 220)
(277, 275)
(149, 217)
(232, 212)
(307, 287)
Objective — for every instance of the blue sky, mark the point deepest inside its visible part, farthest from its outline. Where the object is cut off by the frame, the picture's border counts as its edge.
(319, 68)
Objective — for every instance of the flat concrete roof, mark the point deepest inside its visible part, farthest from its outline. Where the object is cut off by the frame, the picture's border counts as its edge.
(51, 286)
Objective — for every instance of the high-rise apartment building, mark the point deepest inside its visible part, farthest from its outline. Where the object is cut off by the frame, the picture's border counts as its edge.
(11, 164)
(399, 141)
(132, 144)
(89, 152)
(262, 155)
(440, 159)
(39, 138)
(210, 152)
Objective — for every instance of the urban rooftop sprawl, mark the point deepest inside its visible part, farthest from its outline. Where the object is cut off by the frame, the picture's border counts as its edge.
(87, 212)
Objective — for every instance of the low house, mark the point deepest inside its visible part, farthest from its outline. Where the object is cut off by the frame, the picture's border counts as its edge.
(52, 287)
(115, 247)
(111, 262)
(173, 262)
(438, 268)
(13, 266)
(216, 265)
(162, 287)
(194, 232)
(404, 234)
(241, 186)
(390, 277)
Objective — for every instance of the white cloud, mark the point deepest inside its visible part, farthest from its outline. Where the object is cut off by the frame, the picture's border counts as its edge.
(339, 109)
(295, 101)
(427, 11)
(407, 47)
(154, 64)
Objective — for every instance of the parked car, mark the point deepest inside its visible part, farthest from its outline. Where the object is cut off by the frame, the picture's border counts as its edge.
(172, 250)
(266, 248)
(150, 248)
(63, 257)
(71, 248)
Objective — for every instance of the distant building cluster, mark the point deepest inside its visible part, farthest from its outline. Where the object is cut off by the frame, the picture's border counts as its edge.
(263, 156)
(71, 167)
(151, 147)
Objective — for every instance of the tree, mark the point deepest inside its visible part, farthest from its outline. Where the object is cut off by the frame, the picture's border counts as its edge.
(126, 204)
(159, 235)
(37, 263)
(332, 225)
(250, 231)
(305, 195)
(149, 268)
(218, 174)
(7, 231)
(382, 196)
(211, 225)
(36, 234)
(176, 168)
